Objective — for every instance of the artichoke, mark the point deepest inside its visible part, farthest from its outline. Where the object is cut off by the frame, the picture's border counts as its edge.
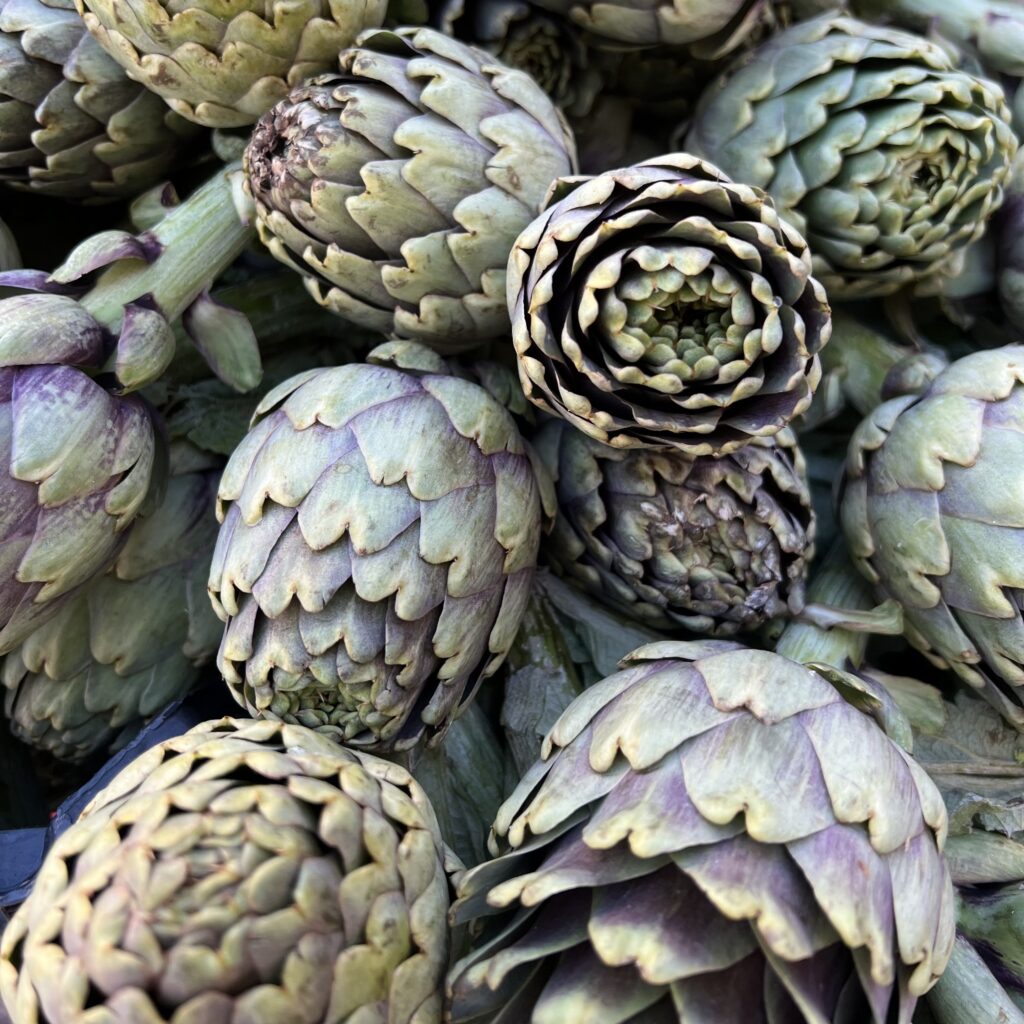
(223, 65)
(72, 124)
(932, 511)
(662, 305)
(711, 27)
(399, 186)
(130, 642)
(700, 841)
(717, 546)
(886, 157)
(246, 871)
(379, 535)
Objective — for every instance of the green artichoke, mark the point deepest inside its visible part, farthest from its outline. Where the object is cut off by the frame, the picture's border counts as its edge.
(133, 640)
(72, 124)
(246, 871)
(399, 186)
(716, 546)
(223, 65)
(380, 532)
(710, 27)
(700, 842)
(932, 511)
(886, 157)
(662, 305)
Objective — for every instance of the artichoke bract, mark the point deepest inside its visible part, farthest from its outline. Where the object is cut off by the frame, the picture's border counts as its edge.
(700, 841)
(79, 462)
(934, 516)
(717, 546)
(398, 187)
(663, 305)
(133, 640)
(244, 871)
(711, 27)
(223, 65)
(873, 144)
(379, 538)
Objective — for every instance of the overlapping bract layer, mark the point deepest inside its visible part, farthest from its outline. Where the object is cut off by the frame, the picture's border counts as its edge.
(886, 156)
(933, 511)
(380, 533)
(717, 546)
(663, 305)
(246, 871)
(399, 186)
(132, 641)
(72, 124)
(80, 462)
(225, 64)
(712, 27)
(712, 834)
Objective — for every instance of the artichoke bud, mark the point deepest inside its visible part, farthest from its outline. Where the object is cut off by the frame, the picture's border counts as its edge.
(145, 347)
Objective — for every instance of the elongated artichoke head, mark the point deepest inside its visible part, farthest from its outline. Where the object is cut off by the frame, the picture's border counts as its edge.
(711, 834)
(933, 514)
(717, 546)
(223, 65)
(246, 871)
(72, 124)
(664, 306)
(80, 463)
(398, 187)
(711, 27)
(873, 144)
(379, 536)
(131, 641)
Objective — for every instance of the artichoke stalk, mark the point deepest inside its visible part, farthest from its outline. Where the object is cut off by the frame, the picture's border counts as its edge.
(931, 510)
(72, 124)
(379, 534)
(873, 144)
(244, 871)
(83, 457)
(131, 641)
(716, 546)
(398, 186)
(665, 306)
(223, 65)
(699, 841)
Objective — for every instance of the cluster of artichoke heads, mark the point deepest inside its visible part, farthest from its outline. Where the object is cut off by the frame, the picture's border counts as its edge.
(585, 438)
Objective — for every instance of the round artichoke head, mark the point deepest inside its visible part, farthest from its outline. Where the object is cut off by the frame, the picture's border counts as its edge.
(701, 842)
(130, 642)
(244, 871)
(886, 156)
(663, 305)
(80, 462)
(72, 124)
(710, 27)
(717, 546)
(399, 186)
(933, 513)
(378, 541)
(223, 65)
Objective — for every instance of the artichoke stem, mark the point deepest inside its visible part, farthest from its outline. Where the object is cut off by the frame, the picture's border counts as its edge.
(199, 239)
(968, 992)
(835, 586)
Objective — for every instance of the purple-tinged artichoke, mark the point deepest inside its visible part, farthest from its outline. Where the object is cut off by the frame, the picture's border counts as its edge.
(398, 186)
(717, 546)
(379, 537)
(711, 834)
(933, 512)
(131, 641)
(663, 305)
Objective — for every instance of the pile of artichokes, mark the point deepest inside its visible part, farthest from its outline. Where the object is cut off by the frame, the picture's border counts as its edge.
(511, 511)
